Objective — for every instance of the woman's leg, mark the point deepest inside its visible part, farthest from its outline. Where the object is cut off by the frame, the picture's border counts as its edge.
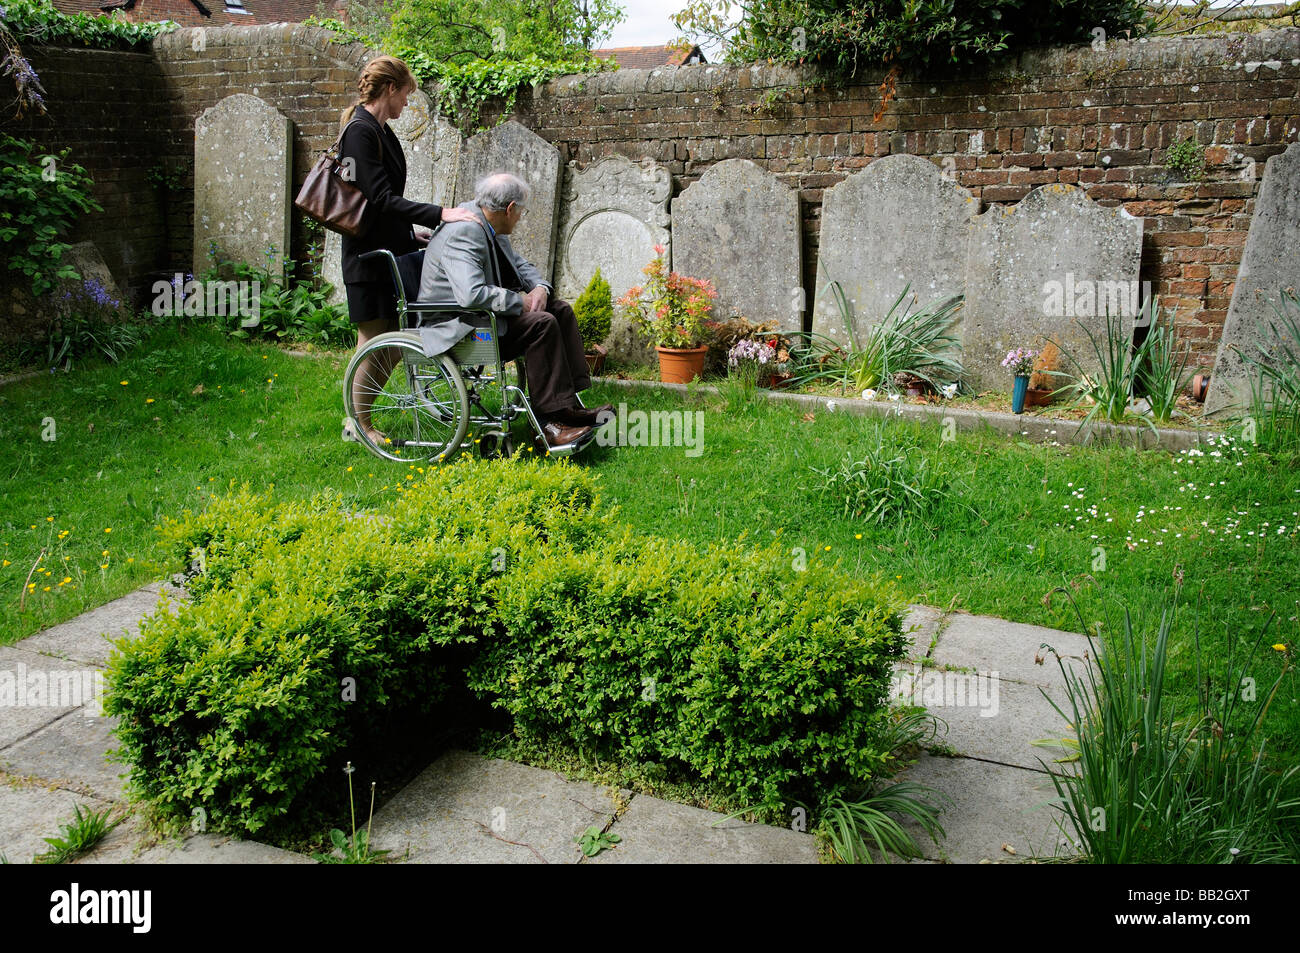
(373, 373)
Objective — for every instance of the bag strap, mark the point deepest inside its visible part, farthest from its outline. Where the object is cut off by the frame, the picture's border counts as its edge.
(334, 149)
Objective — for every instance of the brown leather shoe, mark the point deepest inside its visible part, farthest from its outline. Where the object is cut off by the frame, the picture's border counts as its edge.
(557, 434)
(583, 416)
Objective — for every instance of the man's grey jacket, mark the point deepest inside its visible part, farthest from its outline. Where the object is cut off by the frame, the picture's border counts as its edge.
(460, 269)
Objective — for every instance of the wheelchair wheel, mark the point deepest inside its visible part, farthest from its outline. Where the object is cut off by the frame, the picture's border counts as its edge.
(422, 409)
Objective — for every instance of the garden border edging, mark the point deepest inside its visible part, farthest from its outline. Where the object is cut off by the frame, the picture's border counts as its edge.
(1035, 428)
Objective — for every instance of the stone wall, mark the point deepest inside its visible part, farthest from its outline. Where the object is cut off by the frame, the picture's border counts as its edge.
(1099, 119)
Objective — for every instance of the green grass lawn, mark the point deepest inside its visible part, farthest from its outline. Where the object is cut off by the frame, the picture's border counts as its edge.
(199, 412)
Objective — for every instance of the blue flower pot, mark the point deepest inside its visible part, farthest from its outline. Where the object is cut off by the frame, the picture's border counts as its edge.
(1018, 394)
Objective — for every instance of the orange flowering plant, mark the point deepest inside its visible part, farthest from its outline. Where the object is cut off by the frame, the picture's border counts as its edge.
(669, 308)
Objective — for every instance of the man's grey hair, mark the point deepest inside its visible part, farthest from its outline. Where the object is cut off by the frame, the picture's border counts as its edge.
(498, 190)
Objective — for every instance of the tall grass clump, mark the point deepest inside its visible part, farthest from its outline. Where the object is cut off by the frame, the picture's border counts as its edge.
(1151, 784)
(1108, 392)
(923, 344)
(1275, 388)
(1163, 365)
(886, 482)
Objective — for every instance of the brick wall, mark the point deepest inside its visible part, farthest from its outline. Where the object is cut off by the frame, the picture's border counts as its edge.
(1099, 119)
(294, 68)
(108, 108)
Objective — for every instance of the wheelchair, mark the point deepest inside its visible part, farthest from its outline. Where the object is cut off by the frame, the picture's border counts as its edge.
(433, 408)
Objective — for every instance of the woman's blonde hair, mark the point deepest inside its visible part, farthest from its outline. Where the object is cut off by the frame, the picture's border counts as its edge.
(379, 74)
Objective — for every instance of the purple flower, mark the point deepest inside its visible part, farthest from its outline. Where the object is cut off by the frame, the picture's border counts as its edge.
(748, 351)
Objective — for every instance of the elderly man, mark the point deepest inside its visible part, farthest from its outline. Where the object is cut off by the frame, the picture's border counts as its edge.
(472, 264)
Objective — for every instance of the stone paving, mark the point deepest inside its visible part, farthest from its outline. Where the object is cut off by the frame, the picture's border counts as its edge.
(981, 676)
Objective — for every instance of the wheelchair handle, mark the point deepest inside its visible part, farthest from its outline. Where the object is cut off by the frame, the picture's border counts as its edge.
(392, 267)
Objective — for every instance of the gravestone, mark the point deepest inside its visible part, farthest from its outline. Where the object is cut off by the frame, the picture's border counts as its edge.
(431, 146)
(1269, 263)
(242, 174)
(613, 214)
(739, 227)
(902, 221)
(28, 318)
(1047, 268)
(513, 148)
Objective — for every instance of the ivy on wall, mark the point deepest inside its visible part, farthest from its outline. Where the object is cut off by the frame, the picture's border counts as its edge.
(463, 89)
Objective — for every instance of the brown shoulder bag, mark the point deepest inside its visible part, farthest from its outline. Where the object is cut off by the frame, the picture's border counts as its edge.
(330, 194)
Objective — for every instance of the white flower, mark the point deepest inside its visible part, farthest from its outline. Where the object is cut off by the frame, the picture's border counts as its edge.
(869, 394)
(894, 396)
(949, 391)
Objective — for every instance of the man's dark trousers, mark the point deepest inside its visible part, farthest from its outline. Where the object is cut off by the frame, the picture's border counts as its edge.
(552, 347)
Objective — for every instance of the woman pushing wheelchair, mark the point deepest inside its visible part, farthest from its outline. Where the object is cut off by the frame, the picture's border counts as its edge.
(392, 221)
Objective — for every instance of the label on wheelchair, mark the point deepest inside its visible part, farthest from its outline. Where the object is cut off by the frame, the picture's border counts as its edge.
(483, 334)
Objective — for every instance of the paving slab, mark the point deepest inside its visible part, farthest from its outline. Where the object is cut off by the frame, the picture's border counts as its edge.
(921, 624)
(654, 831)
(464, 807)
(21, 713)
(212, 849)
(30, 812)
(988, 644)
(126, 843)
(999, 720)
(70, 751)
(991, 805)
(85, 639)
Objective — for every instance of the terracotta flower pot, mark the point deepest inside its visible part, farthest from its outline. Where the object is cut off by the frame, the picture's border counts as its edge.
(1038, 397)
(596, 359)
(1200, 384)
(681, 365)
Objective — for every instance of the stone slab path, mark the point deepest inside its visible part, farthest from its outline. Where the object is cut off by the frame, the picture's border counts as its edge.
(983, 678)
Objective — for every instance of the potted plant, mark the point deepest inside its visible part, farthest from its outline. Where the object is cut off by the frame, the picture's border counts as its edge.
(594, 310)
(1041, 389)
(671, 309)
(1020, 361)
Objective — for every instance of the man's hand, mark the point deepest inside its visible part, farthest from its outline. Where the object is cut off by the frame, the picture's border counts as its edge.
(536, 299)
(422, 234)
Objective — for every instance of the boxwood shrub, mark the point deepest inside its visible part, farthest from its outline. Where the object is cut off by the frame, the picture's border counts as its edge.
(308, 626)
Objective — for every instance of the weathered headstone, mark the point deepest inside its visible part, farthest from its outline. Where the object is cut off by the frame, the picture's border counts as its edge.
(431, 146)
(902, 221)
(738, 226)
(95, 275)
(242, 170)
(513, 148)
(1048, 268)
(28, 318)
(1269, 263)
(613, 214)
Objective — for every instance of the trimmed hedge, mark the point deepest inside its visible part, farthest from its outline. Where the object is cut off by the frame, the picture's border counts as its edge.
(722, 660)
